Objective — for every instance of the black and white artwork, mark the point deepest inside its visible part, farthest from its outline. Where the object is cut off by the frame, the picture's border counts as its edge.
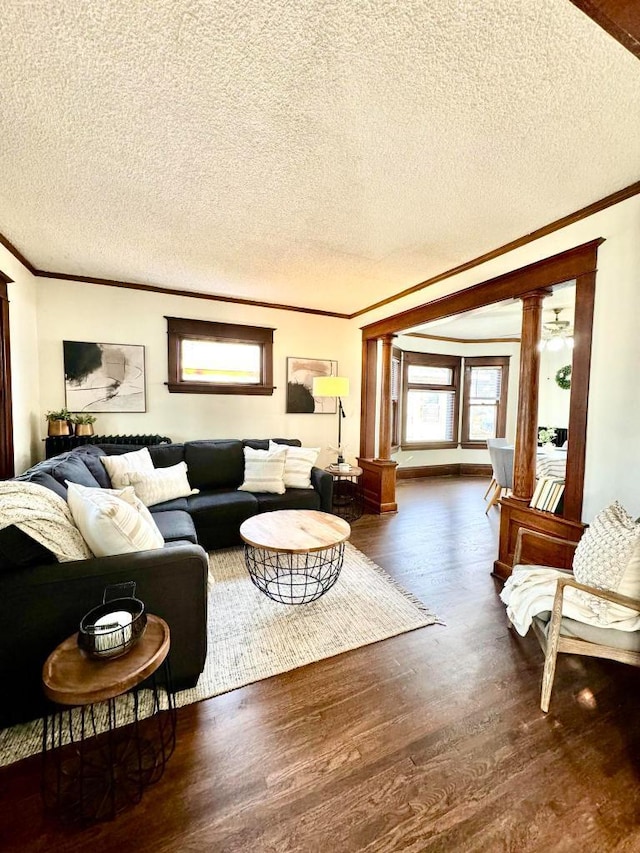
(104, 377)
(300, 375)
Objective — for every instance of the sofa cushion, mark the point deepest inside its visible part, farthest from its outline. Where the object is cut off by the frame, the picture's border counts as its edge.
(91, 457)
(166, 455)
(71, 468)
(169, 506)
(162, 484)
(113, 521)
(175, 526)
(120, 466)
(19, 550)
(263, 443)
(214, 464)
(41, 478)
(218, 515)
(291, 499)
(264, 470)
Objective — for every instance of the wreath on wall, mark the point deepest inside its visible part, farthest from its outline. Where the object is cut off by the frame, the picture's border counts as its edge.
(563, 377)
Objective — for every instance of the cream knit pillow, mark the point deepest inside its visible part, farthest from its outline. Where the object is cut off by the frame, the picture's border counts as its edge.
(162, 484)
(119, 467)
(263, 471)
(607, 557)
(298, 464)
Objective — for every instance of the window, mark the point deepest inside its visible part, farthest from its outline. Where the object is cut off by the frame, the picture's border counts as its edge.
(396, 389)
(219, 358)
(430, 400)
(484, 411)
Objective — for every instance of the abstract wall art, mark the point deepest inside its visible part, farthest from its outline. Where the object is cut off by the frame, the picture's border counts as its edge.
(300, 375)
(104, 377)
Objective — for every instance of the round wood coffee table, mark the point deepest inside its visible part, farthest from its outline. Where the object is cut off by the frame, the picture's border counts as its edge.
(294, 555)
(100, 749)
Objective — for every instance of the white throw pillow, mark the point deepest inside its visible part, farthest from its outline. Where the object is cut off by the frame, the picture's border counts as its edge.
(264, 471)
(298, 464)
(113, 521)
(162, 484)
(608, 557)
(119, 467)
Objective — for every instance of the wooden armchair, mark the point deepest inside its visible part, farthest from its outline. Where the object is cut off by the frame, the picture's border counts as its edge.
(561, 634)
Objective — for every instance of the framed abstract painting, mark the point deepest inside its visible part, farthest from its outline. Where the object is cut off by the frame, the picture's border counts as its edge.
(104, 377)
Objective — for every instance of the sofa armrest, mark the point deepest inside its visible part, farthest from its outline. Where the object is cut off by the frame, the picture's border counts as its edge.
(41, 606)
(322, 482)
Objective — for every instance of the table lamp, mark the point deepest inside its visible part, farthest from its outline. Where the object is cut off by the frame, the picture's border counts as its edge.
(333, 386)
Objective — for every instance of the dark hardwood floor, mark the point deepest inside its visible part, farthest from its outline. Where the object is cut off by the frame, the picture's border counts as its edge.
(430, 741)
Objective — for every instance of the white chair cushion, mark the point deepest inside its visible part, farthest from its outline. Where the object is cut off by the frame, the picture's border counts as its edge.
(608, 557)
(113, 521)
(162, 484)
(119, 467)
(298, 464)
(264, 471)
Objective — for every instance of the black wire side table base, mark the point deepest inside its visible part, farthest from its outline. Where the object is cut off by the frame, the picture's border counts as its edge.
(92, 769)
(348, 502)
(291, 578)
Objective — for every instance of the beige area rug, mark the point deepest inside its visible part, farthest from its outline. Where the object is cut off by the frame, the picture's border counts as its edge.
(252, 637)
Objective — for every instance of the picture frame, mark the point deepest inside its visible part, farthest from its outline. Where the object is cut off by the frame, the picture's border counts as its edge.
(300, 375)
(104, 377)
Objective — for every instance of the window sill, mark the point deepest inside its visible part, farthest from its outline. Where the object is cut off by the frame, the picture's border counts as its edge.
(431, 445)
(205, 388)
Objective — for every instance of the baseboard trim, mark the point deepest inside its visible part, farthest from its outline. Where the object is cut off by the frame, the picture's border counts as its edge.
(455, 469)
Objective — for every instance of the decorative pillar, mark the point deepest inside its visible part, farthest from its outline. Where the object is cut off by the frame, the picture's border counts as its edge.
(524, 463)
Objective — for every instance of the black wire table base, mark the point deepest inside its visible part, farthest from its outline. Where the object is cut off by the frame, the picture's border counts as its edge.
(348, 502)
(91, 768)
(294, 578)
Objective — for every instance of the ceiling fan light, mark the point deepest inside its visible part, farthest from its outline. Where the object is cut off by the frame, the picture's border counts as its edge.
(555, 344)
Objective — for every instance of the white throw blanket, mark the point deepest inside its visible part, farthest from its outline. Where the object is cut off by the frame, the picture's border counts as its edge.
(531, 589)
(44, 516)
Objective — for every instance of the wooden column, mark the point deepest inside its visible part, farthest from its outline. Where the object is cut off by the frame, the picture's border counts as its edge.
(384, 436)
(524, 463)
(6, 419)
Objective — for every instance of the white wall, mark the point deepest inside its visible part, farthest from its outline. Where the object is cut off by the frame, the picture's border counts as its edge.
(23, 329)
(613, 445)
(414, 458)
(85, 312)
(553, 401)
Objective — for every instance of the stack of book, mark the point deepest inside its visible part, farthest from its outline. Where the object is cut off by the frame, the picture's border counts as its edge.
(547, 494)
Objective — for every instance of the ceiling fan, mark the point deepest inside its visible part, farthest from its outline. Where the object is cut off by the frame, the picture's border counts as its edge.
(556, 334)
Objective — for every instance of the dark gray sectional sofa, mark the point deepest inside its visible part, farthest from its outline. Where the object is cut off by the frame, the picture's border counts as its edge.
(42, 601)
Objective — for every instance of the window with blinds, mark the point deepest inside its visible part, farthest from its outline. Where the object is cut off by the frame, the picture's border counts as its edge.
(430, 400)
(484, 411)
(396, 388)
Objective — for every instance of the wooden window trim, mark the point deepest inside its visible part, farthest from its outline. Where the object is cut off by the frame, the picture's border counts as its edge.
(501, 421)
(179, 329)
(433, 360)
(396, 417)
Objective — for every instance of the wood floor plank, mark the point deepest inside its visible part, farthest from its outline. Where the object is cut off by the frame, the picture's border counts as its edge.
(432, 741)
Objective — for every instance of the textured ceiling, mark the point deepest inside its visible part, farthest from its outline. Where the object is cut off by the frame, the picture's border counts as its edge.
(323, 154)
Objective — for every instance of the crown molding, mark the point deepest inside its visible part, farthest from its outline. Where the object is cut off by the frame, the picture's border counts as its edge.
(556, 225)
(620, 18)
(462, 340)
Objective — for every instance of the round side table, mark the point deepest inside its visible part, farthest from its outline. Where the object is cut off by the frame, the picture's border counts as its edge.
(348, 501)
(105, 742)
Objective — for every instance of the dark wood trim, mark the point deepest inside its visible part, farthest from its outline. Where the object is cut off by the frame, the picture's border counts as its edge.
(463, 340)
(580, 372)
(378, 483)
(454, 363)
(514, 515)
(502, 361)
(620, 18)
(368, 397)
(417, 472)
(384, 436)
(453, 469)
(189, 294)
(556, 225)
(17, 254)
(7, 461)
(559, 268)
(180, 329)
